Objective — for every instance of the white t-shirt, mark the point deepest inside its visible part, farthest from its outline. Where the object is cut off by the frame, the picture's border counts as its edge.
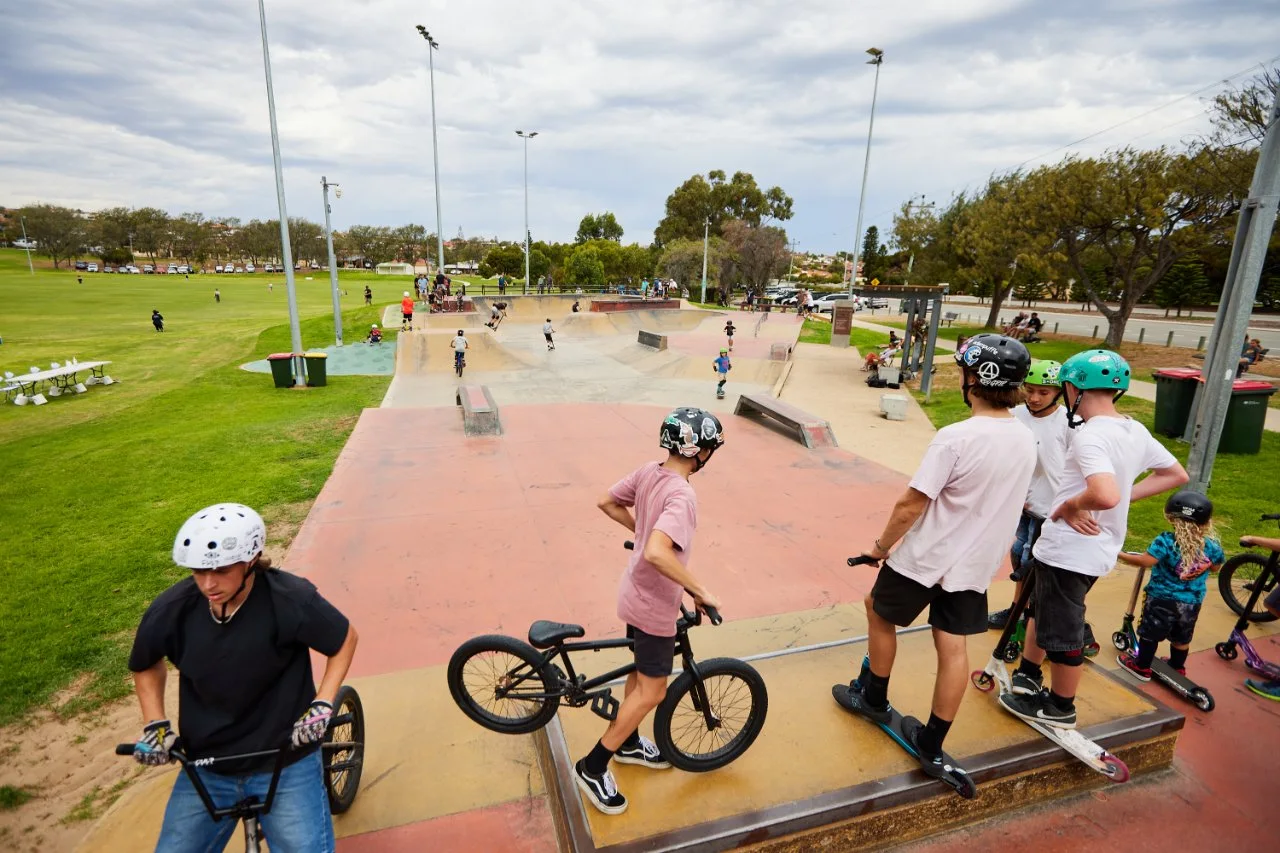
(976, 474)
(1103, 445)
(546, 329)
(459, 344)
(1052, 437)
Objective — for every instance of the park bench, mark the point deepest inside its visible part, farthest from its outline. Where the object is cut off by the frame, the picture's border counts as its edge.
(479, 411)
(809, 430)
(950, 317)
(652, 339)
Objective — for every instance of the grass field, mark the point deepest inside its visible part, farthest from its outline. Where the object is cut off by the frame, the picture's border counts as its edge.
(97, 484)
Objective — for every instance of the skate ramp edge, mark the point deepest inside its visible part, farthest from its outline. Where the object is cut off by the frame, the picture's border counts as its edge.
(809, 430)
(819, 778)
(651, 339)
(479, 411)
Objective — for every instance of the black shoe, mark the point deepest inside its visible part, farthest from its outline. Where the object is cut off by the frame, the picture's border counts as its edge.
(998, 619)
(852, 698)
(645, 753)
(1038, 708)
(1025, 685)
(932, 765)
(601, 790)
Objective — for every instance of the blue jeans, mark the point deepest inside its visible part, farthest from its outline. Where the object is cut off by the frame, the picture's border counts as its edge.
(1028, 532)
(299, 820)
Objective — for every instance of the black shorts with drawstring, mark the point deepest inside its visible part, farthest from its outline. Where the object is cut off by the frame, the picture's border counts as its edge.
(899, 600)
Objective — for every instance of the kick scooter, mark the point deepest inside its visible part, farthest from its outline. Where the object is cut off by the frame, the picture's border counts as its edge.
(1094, 756)
(1127, 640)
(955, 775)
(1263, 583)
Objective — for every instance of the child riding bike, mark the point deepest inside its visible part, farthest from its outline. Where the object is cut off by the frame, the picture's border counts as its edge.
(1180, 562)
(664, 523)
(240, 634)
(459, 345)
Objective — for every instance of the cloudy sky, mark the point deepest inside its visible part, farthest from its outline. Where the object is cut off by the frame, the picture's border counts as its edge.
(138, 102)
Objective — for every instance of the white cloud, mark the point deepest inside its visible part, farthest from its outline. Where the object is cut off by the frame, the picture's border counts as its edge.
(139, 104)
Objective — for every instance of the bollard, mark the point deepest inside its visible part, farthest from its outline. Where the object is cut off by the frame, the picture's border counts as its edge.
(1142, 333)
(1095, 332)
(1055, 328)
(1169, 341)
(1200, 344)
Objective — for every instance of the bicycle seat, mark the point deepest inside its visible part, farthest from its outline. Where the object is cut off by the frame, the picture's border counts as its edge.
(544, 634)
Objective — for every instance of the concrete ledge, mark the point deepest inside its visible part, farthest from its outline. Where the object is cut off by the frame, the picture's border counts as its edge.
(608, 305)
(479, 411)
(779, 352)
(809, 430)
(652, 339)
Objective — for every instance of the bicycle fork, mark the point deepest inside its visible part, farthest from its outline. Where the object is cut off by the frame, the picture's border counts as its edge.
(699, 696)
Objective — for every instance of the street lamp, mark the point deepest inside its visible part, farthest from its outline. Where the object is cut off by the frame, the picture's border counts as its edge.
(295, 330)
(432, 47)
(27, 244)
(706, 242)
(333, 263)
(877, 57)
(526, 137)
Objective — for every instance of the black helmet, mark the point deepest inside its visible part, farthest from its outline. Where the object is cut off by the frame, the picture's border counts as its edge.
(1192, 506)
(689, 431)
(998, 361)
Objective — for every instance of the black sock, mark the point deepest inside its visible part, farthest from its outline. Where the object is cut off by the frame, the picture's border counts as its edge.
(932, 735)
(1031, 670)
(876, 690)
(1062, 703)
(1146, 653)
(1178, 658)
(632, 741)
(598, 759)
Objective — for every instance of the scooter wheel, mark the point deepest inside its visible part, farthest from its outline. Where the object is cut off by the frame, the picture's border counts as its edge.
(1226, 651)
(1202, 699)
(1120, 640)
(1117, 770)
(982, 681)
(1012, 652)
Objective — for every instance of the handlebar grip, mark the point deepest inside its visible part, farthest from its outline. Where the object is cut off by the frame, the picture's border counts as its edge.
(125, 748)
(712, 614)
(863, 560)
(629, 545)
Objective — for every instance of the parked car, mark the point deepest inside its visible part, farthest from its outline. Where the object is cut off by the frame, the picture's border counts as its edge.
(82, 266)
(131, 269)
(241, 269)
(250, 268)
(268, 268)
(148, 268)
(826, 303)
(91, 267)
(183, 269)
(874, 302)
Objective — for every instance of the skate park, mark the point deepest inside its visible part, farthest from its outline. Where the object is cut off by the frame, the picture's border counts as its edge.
(426, 536)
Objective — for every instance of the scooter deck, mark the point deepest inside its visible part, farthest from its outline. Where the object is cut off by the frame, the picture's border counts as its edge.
(1089, 753)
(955, 776)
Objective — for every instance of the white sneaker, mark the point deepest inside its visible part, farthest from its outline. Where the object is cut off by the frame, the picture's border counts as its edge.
(646, 754)
(601, 790)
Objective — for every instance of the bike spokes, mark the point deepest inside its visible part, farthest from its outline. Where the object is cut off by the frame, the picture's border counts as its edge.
(503, 685)
(729, 703)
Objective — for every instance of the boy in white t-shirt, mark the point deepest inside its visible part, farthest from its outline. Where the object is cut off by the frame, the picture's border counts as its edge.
(955, 520)
(1085, 531)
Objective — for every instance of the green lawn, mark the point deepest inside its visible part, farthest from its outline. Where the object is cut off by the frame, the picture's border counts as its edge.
(97, 485)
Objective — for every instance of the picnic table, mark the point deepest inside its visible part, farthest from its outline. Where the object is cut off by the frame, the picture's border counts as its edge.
(59, 380)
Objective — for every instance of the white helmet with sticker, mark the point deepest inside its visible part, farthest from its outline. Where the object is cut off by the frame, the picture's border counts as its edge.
(219, 535)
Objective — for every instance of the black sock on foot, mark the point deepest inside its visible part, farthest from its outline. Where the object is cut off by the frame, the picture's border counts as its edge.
(1031, 670)
(932, 735)
(597, 761)
(1178, 658)
(1062, 703)
(632, 741)
(876, 690)
(1146, 653)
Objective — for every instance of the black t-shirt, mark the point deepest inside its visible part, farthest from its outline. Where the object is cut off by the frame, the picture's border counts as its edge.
(1035, 324)
(243, 684)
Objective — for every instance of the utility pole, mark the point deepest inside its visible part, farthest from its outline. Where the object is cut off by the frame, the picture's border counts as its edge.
(526, 137)
(432, 47)
(706, 243)
(1253, 232)
(333, 262)
(877, 58)
(27, 243)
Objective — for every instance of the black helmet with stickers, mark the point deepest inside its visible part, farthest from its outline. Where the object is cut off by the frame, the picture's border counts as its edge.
(1192, 506)
(997, 361)
(688, 431)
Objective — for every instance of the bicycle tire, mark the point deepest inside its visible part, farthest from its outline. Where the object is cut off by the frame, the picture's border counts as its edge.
(1233, 591)
(521, 657)
(724, 679)
(342, 784)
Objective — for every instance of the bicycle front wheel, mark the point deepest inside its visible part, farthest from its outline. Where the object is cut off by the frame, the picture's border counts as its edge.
(735, 695)
(1236, 580)
(499, 682)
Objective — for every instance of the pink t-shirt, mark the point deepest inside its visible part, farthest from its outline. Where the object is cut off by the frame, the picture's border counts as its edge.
(665, 501)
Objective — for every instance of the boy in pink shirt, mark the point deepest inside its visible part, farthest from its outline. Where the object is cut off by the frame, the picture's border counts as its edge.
(665, 519)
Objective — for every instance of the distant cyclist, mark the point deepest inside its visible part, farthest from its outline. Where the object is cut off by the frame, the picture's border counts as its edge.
(240, 635)
(459, 346)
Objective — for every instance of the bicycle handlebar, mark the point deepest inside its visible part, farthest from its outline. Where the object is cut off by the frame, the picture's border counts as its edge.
(863, 560)
(1272, 516)
(712, 613)
(181, 757)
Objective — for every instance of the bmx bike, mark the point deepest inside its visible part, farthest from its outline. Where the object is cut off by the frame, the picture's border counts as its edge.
(459, 362)
(342, 753)
(1244, 582)
(712, 713)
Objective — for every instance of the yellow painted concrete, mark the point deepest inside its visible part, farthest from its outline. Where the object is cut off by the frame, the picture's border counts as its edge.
(423, 759)
(810, 746)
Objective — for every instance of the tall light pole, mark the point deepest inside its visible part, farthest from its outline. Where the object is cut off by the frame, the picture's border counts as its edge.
(706, 243)
(333, 262)
(526, 137)
(432, 47)
(27, 243)
(877, 57)
(295, 330)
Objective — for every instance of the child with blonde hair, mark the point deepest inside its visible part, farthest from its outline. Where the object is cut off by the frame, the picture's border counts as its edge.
(1180, 561)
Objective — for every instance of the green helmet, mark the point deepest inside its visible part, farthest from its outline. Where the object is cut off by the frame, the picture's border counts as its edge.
(1043, 372)
(1096, 369)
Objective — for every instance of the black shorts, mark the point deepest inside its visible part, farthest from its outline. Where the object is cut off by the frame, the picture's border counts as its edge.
(408, 318)
(1057, 605)
(547, 335)
(1165, 619)
(654, 655)
(899, 599)
(1272, 601)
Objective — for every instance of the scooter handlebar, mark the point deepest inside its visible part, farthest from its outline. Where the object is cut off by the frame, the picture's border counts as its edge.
(863, 560)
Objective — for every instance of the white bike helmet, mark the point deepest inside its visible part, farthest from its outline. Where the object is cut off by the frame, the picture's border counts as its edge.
(219, 535)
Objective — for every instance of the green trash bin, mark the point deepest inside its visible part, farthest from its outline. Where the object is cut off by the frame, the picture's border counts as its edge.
(1246, 416)
(281, 369)
(1175, 394)
(317, 374)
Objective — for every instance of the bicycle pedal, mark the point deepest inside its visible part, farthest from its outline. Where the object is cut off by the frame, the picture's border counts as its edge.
(605, 706)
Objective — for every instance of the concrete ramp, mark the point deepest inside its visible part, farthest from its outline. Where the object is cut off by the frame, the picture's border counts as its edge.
(529, 309)
(429, 352)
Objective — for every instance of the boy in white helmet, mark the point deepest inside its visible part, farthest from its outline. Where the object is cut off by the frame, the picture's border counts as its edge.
(240, 635)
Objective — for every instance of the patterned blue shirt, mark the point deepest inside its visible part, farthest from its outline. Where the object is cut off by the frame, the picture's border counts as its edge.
(1165, 582)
